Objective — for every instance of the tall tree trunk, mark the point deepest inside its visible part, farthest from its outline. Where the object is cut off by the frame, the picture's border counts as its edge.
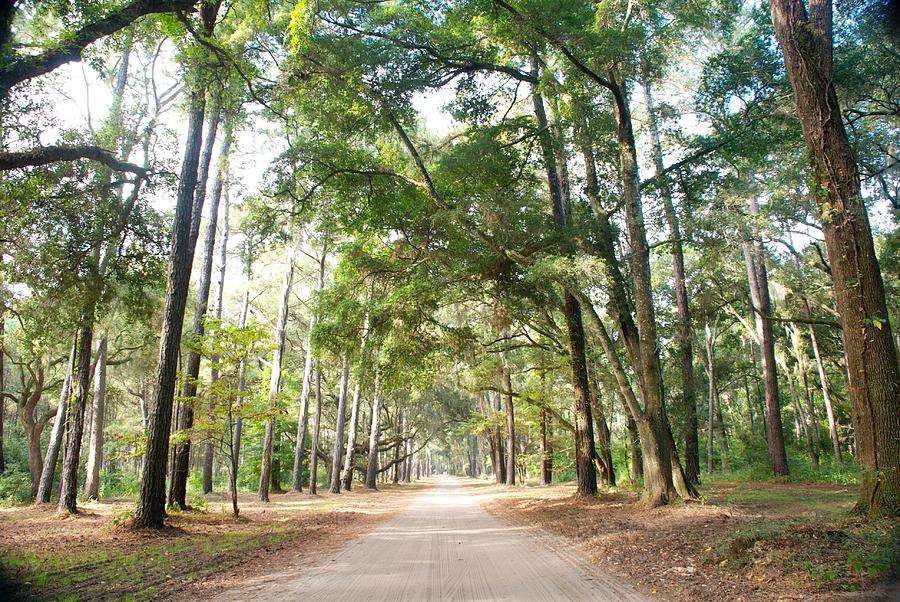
(500, 468)
(510, 428)
(238, 427)
(2, 380)
(302, 420)
(185, 420)
(869, 348)
(265, 471)
(314, 440)
(335, 482)
(605, 467)
(685, 324)
(375, 427)
(45, 486)
(758, 280)
(637, 460)
(656, 441)
(347, 481)
(546, 472)
(152, 498)
(95, 452)
(398, 433)
(75, 416)
(209, 448)
(649, 365)
(826, 395)
(584, 430)
(713, 394)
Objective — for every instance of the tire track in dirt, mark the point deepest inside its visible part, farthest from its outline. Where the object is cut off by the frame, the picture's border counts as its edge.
(443, 546)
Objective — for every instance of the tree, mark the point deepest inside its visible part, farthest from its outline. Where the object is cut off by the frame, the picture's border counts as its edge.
(806, 40)
(151, 502)
(265, 473)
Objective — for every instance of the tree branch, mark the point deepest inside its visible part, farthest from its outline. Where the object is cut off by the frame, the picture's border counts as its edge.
(44, 155)
(69, 48)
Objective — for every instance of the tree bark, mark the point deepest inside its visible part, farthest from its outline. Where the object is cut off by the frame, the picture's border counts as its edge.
(758, 281)
(685, 324)
(584, 430)
(95, 452)
(152, 498)
(499, 454)
(806, 41)
(605, 467)
(826, 395)
(375, 427)
(347, 481)
(75, 417)
(335, 483)
(45, 486)
(649, 364)
(185, 421)
(314, 442)
(303, 419)
(238, 427)
(546, 448)
(209, 448)
(510, 428)
(265, 472)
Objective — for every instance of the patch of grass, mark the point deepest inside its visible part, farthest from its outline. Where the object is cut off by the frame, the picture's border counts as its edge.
(136, 573)
(785, 498)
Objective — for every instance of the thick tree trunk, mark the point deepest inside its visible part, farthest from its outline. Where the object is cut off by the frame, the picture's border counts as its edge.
(871, 354)
(375, 427)
(95, 451)
(265, 471)
(151, 501)
(510, 428)
(685, 324)
(335, 482)
(48, 472)
(347, 480)
(314, 440)
(758, 280)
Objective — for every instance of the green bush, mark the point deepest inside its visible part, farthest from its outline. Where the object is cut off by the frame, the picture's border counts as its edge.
(15, 487)
(119, 483)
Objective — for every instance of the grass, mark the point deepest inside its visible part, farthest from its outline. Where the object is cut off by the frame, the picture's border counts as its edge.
(96, 556)
(755, 540)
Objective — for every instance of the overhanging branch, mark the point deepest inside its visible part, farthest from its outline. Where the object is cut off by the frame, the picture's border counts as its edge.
(44, 155)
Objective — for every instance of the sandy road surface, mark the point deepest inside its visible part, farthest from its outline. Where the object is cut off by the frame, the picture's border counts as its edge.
(443, 546)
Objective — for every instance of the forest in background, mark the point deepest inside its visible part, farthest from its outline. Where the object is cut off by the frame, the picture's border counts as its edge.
(331, 244)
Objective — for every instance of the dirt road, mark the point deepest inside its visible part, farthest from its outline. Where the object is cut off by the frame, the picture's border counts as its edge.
(443, 546)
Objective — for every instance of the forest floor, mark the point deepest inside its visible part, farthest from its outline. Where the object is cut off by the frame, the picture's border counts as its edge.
(93, 556)
(746, 541)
